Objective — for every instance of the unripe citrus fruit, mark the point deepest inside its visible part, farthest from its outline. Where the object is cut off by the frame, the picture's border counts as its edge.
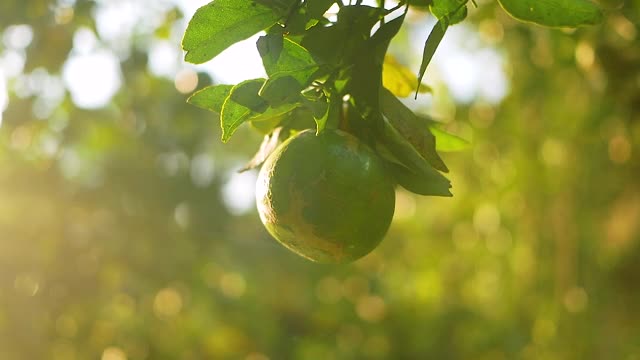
(326, 197)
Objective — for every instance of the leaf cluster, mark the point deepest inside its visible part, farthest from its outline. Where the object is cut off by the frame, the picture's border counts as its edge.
(327, 70)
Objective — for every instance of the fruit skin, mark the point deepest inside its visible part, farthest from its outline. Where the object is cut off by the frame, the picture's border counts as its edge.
(327, 198)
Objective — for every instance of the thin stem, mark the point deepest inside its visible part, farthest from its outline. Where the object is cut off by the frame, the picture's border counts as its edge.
(400, 4)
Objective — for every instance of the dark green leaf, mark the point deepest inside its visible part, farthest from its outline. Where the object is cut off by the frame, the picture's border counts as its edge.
(410, 129)
(316, 101)
(290, 68)
(221, 23)
(246, 94)
(430, 46)
(408, 169)
(280, 89)
(309, 14)
(211, 98)
(366, 79)
(273, 112)
(340, 43)
(270, 47)
(331, 115)
(321, 42)
(429, 183)
(317, 8)
(554, 13)
(420, 4)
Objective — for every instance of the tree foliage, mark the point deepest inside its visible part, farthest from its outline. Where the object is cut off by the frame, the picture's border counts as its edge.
(117, 236)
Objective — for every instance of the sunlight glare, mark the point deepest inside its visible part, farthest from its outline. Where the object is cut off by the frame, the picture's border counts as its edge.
(18, 36)
(164, 59)
(239, 192)
(469, 68)
(93, 79)
(239, 62)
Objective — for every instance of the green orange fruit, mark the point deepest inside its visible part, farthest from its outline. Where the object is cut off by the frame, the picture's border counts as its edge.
(326, 197)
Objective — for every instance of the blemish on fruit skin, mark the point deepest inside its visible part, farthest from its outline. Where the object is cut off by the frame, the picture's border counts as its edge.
(314, 244)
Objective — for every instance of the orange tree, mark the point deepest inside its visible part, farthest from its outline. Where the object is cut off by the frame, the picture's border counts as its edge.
(329, 66)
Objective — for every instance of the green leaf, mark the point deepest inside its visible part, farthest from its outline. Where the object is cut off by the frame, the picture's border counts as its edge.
(308, 14)
(210, 98)
(290, 67)
(243, 102)
(269, 143)
(331, 116)
(366, 80)
(284, 55)
(317, 8)
(429, 183)
(554, 13)
(430, 46)
(448, 142)
(270, 47)
(420, 4)
(280, 89)
(449, 11)
(321, 42)
(401, 120)
(409, 169)
(221, 23)
(267, 126)
(340, 43)
(273, 112)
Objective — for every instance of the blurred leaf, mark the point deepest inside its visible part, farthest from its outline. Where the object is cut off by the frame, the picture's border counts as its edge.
(399, 79)
(448, 142)
(554, 13)
(401, 126)
(430, 46)
(211, 98)
(317, 8)
(420, 4)
(450, 12)
(270, 143)
(220, 24)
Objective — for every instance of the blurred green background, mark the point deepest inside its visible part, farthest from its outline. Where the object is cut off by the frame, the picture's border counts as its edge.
(126, 233)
